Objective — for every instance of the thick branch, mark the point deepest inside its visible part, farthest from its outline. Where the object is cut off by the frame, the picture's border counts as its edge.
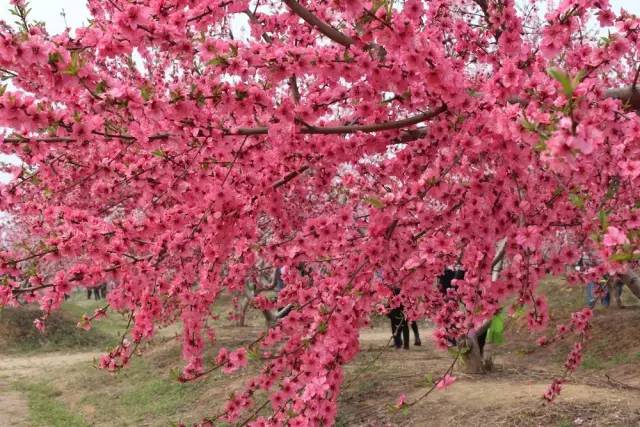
(308, 130)
(322, 26)
(340, 130)
(288, 177)
(628, 95)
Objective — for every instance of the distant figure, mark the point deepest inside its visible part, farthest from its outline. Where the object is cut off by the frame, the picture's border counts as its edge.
(278, 286)
(98, 292)
(596, 291)
(400, 327)
(445, 282)
(416, 334)
(277, 279)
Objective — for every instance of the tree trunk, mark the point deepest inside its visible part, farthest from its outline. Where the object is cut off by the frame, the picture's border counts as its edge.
(269, 318)
(473, 360)
(242, 312)
(633, 283)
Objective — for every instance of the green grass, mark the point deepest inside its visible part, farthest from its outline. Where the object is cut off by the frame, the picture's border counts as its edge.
(45, 409)
(145, 392)
(591, 362)
(18, 335)
(112, 326)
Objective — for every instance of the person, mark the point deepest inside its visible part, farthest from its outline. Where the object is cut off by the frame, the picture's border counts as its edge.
(614, 284)
(399, 325)
(416, 334)
(445, 282)
(279, 286)
(595, 290)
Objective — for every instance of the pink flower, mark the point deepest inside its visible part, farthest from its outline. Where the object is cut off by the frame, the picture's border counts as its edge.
(40, 325)
(445, 382)
(615, 237)
(630, 168)
(402, 400)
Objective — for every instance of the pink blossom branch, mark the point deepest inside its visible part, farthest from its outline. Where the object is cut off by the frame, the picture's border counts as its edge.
(322, 26)
(290, 176)
(263, 130)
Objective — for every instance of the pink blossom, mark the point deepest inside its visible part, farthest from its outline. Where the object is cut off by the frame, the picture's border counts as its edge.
(445, 382)
(614, 237)
(401, 401)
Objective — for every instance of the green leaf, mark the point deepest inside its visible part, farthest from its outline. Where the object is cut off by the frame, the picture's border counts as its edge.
(218, 60)
(374, 202)
(146, 92)
(75, 65)
(577, 79)
(322, 327)
(577, 200)
(530, 126)
(159, 153)
(428, 379)
(518, 312)
(603, 216)
(621, 257)
(540, 147)
(101, 87)
(54, 58)
(241, 94)
(253, 354)
(495, 333)
(564, 80)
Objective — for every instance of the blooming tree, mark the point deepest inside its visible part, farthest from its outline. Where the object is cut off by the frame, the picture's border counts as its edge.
(371, 142)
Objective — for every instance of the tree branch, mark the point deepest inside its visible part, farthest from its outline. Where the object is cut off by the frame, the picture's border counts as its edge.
(322, 26)
(628, 95)
(308, 130)
(288, 177)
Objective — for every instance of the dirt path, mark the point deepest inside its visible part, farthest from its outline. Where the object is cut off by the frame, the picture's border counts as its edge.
(14, 409)
(14, 366)
(509, 396)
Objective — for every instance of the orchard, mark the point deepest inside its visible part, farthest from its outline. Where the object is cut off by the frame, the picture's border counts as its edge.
(360, 147)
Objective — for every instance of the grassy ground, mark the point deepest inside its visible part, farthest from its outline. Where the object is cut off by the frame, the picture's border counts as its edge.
(45, 407)
(18, 336)
(603, 392)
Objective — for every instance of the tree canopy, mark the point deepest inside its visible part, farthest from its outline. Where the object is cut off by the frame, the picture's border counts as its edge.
(362, 145)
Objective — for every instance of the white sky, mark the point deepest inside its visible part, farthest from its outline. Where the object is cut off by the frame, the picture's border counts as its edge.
(49, 11)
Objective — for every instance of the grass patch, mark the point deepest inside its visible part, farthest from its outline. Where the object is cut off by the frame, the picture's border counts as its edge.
(112, 326)
(18, 334)
(45, 409)
(591, 362)
(144, 393)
